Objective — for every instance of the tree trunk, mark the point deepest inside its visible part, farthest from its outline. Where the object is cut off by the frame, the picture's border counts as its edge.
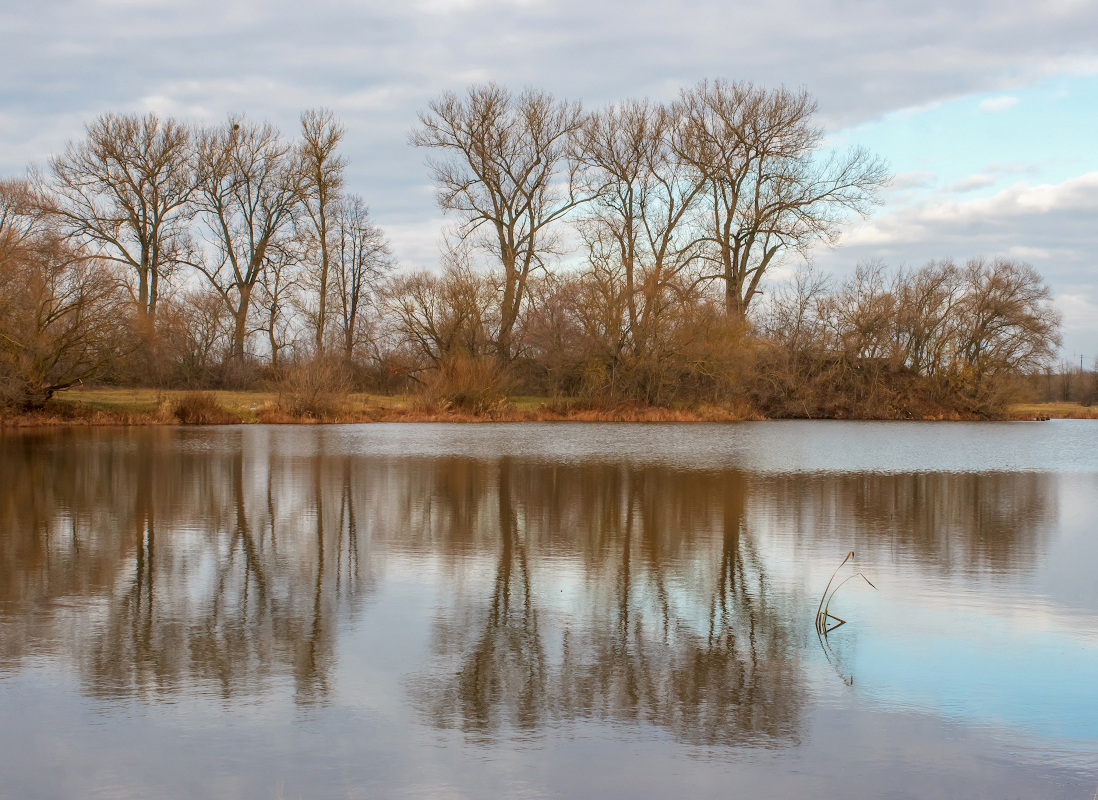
(240, 324)
(143, 296)
(322, 308)
(507, 313)
(734, 305)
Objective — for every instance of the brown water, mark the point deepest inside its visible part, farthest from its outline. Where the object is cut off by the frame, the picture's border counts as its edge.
(549, 611)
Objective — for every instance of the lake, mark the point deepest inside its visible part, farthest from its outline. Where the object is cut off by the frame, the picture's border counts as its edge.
(550, 610)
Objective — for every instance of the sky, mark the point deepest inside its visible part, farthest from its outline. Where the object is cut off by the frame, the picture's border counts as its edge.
(986, 111)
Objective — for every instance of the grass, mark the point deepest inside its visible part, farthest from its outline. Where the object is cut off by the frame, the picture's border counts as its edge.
(114, 406)
(152, 406)
(1053, 410)
(247, 406)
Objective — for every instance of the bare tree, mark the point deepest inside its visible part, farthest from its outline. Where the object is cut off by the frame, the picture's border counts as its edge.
(1007, 322)
(322, 175)
(362, 259)
(767, 191)
(506, 170)
(249, 186)
(926, 321)
(795, 315)
(280, 283)
(440, 317)
(125, 191)
(62, 312)
(199, 333)
(863, 312)
(17, 218)
(641, 213)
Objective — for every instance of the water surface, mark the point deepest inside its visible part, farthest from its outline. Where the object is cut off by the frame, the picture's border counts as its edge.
(558, 610)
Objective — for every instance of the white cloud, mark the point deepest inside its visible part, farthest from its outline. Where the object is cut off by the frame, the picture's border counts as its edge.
(1080, 311)
(1024, 253)
(993, 104)
(1013, 212)
(1050, 226)
(971, 183)
(912, 180)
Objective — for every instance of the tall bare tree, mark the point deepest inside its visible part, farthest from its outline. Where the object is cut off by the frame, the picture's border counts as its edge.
(322, 175)
(125, 191)
(641, 215)
(250, 186)
(768, 192)
(362, 259)
(506, 168)
(281, 285)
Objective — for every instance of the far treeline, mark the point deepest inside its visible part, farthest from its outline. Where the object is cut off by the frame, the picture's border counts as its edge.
(611, 257)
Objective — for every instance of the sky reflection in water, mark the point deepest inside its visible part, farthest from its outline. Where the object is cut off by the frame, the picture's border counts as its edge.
(418, 610)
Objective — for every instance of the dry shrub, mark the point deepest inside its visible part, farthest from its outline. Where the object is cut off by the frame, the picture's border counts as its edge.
(201, 408)
(274, 414)
(315, 390)
(476, 384)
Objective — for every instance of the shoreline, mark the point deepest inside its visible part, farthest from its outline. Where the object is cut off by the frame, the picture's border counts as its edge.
(145, 408)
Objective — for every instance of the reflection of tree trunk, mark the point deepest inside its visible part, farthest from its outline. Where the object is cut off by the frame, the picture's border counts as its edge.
(311, 684)
(142, 609)
(507, 664)
(347, 522)
(731, 559)
(253, 555)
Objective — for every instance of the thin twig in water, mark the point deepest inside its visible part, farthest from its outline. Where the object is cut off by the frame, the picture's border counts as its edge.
(822, 613)
(849, 556)
(828, 603)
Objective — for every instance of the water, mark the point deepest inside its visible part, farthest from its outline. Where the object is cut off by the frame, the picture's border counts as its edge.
(549, 610)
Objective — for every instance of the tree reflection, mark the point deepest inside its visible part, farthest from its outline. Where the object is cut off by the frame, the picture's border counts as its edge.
(161, 560)
(973, 524)
(224, 570)
(673, 623)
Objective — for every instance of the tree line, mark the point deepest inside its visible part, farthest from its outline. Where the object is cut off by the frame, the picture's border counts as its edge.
(613, 255)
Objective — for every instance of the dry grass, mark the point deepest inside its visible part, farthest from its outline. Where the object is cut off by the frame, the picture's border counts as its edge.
(1053, 411)
(67, 413)
(109, 406)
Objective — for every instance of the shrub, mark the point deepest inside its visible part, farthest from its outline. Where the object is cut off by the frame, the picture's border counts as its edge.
(477, 384)
(317, 389)
(202, 408)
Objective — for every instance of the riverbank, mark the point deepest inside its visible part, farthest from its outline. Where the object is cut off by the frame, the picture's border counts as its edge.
(153, 407)
(110, 406)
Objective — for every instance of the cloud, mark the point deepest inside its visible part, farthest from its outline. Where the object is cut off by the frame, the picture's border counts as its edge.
(993, 104)
(1080, 311)
(1020, 213)
(375, 63)
(912, 180)
(971, 183)
(1050, 226)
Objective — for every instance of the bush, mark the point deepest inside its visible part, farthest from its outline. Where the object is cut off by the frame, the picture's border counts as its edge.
(477, 384)
(201, 408)
(317, 389)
